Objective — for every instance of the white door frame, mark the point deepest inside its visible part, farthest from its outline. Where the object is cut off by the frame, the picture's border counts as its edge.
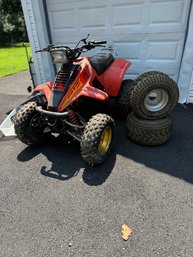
(36, 24)
(186, 69)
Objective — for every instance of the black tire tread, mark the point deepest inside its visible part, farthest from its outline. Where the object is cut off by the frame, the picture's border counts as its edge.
(122, 103)
(21, 123)
(141, 87)
(148, 132)
(91, 138)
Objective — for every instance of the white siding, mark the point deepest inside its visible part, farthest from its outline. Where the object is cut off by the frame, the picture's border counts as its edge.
(190, 93)
(33, 37)
(36, 27)
(186, 71)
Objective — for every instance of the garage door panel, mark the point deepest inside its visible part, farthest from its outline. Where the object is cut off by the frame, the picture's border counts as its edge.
(154, 47)
(131, 19)
(172, 10)
(62, 23)
(150, 33)
(168, 16)
(163, 50)
(96, 19)
(58, 15)
(140, 17)
(131, 14)
(150, 16)
(128, 50)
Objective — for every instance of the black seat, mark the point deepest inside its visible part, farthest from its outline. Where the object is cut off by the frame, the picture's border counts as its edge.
(101, 62)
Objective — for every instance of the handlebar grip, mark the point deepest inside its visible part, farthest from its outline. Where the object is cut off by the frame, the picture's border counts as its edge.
(100, 42)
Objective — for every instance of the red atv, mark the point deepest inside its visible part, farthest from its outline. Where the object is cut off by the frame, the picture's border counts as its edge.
(58, 104)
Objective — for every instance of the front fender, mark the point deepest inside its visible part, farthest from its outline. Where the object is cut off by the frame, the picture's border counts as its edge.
(112, 78)
(87, 91)
(46, 88)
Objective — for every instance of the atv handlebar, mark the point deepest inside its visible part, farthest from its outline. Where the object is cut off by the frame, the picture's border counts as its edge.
(88, 46)
(74, 53)
(49, 48)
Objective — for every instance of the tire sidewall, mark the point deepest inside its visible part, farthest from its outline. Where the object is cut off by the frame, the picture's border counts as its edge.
(152, 82)
(148, 132)
(22, 125)
(161, 113)
(91, 139)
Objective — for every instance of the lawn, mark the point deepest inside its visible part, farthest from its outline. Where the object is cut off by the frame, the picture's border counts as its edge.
(13, 59)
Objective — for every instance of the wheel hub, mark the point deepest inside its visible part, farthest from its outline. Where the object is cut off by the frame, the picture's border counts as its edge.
(156, 100)
(105, 140)
(35, 125)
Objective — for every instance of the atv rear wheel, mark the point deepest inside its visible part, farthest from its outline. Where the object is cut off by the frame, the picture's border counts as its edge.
(148, 132)
(154, 95)
(149, 73)
(122, 102)
(28, 125)
(97, 139)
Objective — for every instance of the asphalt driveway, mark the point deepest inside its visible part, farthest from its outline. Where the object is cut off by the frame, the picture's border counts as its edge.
(52, 204)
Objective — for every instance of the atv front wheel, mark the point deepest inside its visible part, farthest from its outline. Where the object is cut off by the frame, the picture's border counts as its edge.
(148, 132)
(154, 95)
(97, 139)
(28, 125)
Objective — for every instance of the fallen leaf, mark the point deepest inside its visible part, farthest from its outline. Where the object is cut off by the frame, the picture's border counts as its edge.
(126, 232)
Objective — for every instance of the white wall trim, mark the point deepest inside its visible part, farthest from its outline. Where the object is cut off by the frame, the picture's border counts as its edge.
(185, 75)
(38, 37)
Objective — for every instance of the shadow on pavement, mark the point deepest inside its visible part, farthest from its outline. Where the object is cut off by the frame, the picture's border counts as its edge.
(66, 162)
(174, 158)
(95, 176)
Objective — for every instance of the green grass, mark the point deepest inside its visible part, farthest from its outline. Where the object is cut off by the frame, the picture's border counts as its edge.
(13, 59)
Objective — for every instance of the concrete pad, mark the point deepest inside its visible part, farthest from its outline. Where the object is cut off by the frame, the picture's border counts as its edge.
(15, 84)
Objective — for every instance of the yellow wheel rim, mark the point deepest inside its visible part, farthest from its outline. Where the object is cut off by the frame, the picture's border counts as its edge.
(105, 140)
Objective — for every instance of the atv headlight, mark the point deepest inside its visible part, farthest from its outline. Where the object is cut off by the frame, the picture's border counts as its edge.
(59, 55)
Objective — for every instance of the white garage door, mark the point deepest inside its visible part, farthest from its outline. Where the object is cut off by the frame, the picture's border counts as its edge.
(150, 33)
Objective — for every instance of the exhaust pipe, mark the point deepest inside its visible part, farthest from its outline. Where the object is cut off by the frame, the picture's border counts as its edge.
(49, 113)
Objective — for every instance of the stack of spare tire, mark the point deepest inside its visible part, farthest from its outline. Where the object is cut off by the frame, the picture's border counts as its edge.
(153, 97)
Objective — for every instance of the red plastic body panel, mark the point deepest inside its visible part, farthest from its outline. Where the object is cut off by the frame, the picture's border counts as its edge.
(46, 88)
(113, 76)
(111, 80)
(82, 86)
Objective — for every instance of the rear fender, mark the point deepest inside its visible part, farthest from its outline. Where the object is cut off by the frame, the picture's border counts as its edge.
(94, 93)
(112, 78)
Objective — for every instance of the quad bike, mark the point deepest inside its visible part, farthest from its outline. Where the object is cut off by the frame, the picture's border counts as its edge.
(58, 104)
(63, 106)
